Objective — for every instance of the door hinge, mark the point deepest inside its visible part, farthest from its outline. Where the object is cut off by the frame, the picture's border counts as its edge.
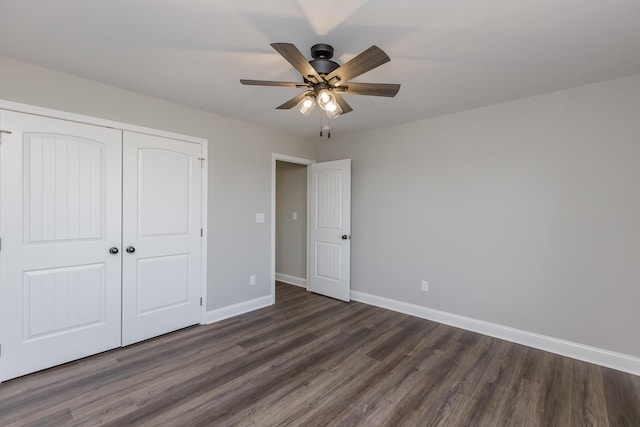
(201, 232)
(202, 159)
(0, 243)
(8, 132)
(200, 301)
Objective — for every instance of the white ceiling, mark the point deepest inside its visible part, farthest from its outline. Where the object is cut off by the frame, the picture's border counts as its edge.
(449, 55)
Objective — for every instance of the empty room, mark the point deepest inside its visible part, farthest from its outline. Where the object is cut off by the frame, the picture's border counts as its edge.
(338, 213)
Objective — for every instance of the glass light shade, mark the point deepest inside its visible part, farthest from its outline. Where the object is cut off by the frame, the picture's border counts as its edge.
(306, 105)
(335, 111)
(331, 106)
(325, 99)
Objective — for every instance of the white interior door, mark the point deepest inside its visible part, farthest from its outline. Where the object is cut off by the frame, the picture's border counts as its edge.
(60, 214)
(329, 242)
(161, 236)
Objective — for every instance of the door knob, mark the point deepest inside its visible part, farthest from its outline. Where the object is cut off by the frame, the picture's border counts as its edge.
(113, 250)
(345, 237)
(130, 249)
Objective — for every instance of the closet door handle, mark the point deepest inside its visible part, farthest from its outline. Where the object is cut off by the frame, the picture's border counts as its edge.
(130, 249)
(114, 251)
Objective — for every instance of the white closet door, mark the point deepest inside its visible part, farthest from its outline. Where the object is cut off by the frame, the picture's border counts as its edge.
(161, 236)
(60, 214)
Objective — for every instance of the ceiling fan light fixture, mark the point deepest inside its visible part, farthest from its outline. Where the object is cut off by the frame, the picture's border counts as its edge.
(306, 105)
(326, 81)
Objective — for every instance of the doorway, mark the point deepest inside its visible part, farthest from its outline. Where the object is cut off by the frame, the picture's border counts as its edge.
(328, 235)
(288, 221)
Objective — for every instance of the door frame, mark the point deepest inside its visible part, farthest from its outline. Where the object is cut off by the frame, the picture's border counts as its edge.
(204, 143)
(290, 159)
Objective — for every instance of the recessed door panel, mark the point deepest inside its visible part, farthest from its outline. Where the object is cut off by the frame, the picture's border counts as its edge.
(328, 187)
(64, 188)
(170, 274)
(164, 188)
(63, 300)
(329, 261)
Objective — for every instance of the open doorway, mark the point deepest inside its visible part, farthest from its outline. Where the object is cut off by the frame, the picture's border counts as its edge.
(289, 221)
(328, 228)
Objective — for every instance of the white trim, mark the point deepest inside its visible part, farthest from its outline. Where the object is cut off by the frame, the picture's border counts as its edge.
(73, 117)
(274, 158)
(205, 233)
(291, 280)
(237, 309)
(609, 359)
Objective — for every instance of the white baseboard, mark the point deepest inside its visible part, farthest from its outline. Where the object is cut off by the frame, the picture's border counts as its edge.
(292, 280)
(598, 356)
(236, 309)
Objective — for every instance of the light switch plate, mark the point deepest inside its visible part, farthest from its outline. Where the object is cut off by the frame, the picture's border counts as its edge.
(259, 217)
(295, 216)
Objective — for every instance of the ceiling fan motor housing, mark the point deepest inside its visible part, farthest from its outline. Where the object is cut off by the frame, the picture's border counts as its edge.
(321, 62)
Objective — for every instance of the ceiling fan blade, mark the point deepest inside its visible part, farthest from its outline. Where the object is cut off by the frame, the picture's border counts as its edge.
(291, 53)
(272, 83)
(343, 104)
(371, 89)
(366, 61)
(293, 101)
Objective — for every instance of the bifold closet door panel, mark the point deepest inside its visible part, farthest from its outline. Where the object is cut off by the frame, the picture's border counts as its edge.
(162, 193)
(60, 215)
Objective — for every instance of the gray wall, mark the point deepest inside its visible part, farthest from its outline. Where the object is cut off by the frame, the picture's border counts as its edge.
(291, 235)
(239, 166)
(526, 214)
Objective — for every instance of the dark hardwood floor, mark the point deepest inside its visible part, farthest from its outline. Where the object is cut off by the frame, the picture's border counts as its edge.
(315, 361)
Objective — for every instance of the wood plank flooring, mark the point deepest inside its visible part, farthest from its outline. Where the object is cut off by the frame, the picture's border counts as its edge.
(315, 361)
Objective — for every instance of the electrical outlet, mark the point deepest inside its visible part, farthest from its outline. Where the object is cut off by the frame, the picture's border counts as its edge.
(252, 279)
(425, 286)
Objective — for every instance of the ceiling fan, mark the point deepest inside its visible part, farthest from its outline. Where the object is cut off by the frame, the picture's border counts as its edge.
(326, 81)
